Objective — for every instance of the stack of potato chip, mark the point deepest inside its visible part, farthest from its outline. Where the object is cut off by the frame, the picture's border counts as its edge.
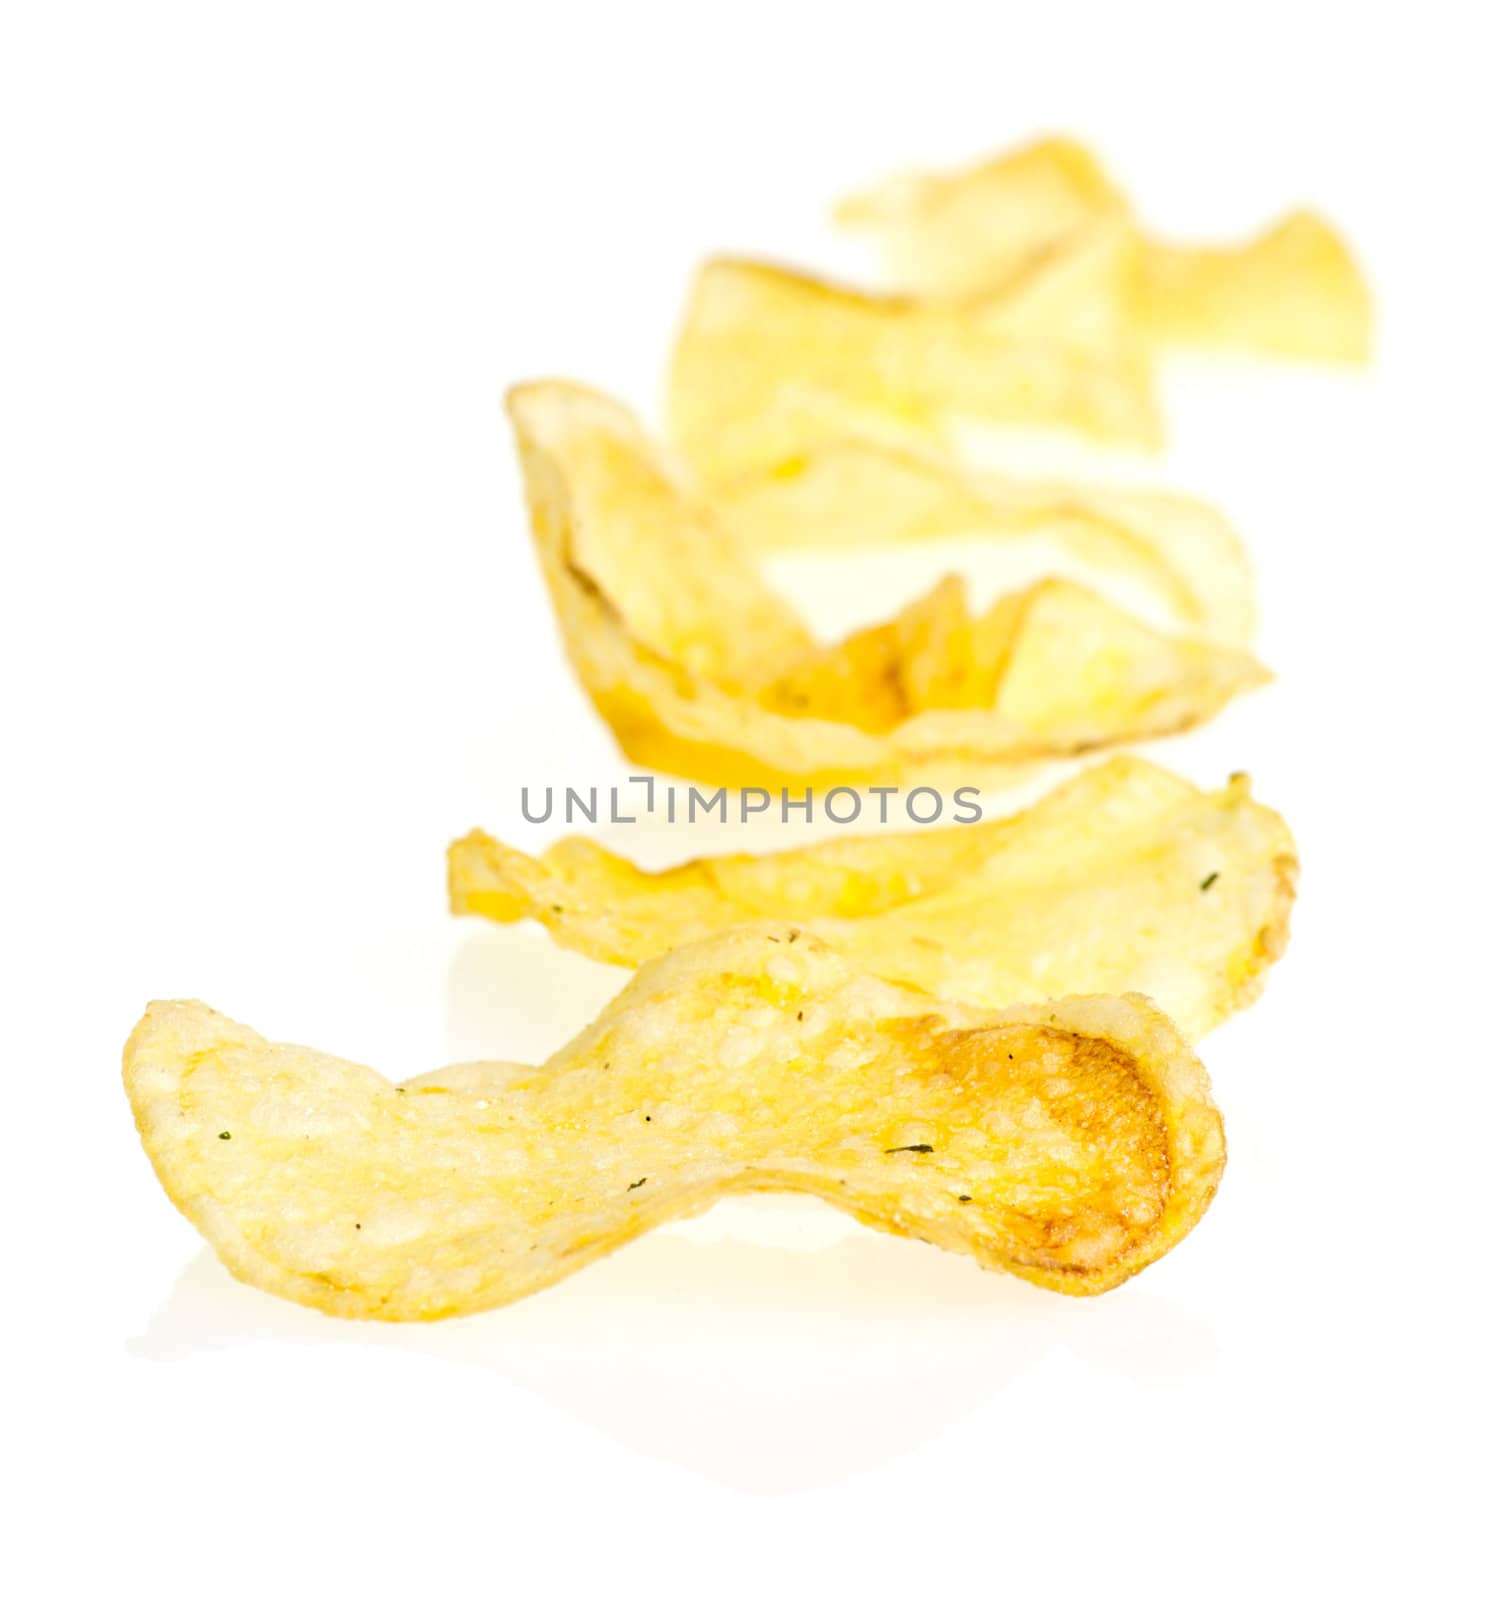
(976, 1035)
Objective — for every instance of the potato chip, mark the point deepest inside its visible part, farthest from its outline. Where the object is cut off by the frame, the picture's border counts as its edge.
(854, 492)
(1070, 1143)
(700, 669)
(1125, 878)
(769, 361)
(955, 235)
(1293, 291)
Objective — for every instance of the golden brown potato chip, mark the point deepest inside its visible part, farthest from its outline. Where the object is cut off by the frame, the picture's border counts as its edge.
(1125, 878)
(1070, 1143)
(1293, 291)
(849, 492)
(770, 361)
(700, 669)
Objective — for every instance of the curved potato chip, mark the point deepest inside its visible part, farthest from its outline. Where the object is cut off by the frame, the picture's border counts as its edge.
(769, 360)
(676, 578)
(1071, 1143)
(701, 670)
(858, 492)
(1295, 290)
(957, 234)
(1125, 878)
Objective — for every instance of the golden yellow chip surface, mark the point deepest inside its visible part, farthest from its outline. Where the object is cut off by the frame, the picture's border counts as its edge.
(956, 234)
(1126, 878)
(769, 361)
(701, 669)
(1071, 1143)
(853, 493)
(1294, 290)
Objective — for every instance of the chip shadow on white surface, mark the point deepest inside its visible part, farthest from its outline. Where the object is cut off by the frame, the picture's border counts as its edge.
(770, 1368)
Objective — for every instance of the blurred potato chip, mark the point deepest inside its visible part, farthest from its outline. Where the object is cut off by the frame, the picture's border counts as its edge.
(701, 669)
(1070, 1143)
(1295, 290)
(957, 234)
(855, 492)
(769, 360)
(1126, 878)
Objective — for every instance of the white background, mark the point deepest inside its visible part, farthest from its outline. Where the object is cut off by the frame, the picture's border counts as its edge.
(273, 635)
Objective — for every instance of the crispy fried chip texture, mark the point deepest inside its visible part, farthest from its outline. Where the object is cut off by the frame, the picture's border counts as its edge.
(1294, 290)
(1126, 878)
(702, 670)
(1070, 1143)
(851, 493)
(770, 360)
